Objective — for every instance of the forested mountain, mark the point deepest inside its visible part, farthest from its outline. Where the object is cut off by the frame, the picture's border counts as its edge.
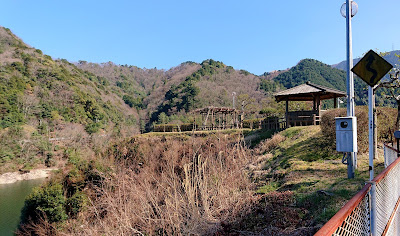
(315, 72)
(42, 98)
(323, 74)
(40, 91)
(180, 90)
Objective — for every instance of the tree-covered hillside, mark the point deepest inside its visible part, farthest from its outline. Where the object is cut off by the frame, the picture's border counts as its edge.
(176, 92)
(42, 98)
(51, 98)
(37, 89)
(323, 74)
(315, 72)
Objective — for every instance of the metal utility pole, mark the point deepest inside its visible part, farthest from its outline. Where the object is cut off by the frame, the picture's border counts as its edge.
(352, 156)
(371, 135)
(349, 52)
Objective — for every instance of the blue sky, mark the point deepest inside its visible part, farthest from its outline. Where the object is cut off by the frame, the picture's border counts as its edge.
(255, 35)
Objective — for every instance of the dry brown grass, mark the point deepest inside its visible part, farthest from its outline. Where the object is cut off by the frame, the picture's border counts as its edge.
(270, 144)
(41, 227)
(171, 187)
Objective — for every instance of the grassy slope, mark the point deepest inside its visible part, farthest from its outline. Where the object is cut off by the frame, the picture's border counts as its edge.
(298, 170)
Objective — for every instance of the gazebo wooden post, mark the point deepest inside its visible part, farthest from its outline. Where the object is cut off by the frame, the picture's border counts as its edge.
(318, 105)
(314, 103)
(287, 113)
(212, 119)
(223, 120)
(203, 115)
(335, 102)
(219, 120)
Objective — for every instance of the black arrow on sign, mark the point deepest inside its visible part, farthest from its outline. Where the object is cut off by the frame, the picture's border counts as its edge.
(370, 60)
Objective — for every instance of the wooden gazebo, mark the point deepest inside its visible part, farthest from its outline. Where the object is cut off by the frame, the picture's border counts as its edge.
(214, 118)
(307, 92)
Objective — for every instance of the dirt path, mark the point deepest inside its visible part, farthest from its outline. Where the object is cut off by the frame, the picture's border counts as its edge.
(12, 177)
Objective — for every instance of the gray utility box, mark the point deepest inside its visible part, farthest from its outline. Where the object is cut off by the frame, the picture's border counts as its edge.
(346, 134)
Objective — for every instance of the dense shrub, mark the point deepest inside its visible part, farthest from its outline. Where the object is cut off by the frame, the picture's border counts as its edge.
(386, 119)
(93, 127)
(75, 203)
(46, 201)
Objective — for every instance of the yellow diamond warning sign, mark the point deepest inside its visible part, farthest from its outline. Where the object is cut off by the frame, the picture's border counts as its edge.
(371, 68)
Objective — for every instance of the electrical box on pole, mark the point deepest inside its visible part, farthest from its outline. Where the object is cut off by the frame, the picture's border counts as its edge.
(346, 134)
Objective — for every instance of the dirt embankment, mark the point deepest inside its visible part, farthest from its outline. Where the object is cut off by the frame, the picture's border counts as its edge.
(12, 177)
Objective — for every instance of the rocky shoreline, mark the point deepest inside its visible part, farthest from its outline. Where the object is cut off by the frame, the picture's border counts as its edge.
(12, 177)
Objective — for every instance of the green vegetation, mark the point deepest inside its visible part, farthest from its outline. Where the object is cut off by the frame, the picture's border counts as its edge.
(322, 74)
(315, 72)
(50, 97)
(217, 182)
(49, 201)
(303, 179)
(296, 176)
(183, 96)
(270, 86)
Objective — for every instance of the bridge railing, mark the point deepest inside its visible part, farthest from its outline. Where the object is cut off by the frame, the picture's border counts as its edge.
(390, 154)
(352, 219)
(374, 210)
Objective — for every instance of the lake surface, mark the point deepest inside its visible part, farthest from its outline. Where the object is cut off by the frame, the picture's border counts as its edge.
(12, 197)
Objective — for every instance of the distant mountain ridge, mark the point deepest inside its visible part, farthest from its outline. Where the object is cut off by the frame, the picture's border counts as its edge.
(315, 72)
(390, 57)
(143, 94)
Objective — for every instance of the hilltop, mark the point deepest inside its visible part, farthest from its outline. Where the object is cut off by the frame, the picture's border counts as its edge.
(44, 98)
(186, 87)
(329, 76)
(389, 56)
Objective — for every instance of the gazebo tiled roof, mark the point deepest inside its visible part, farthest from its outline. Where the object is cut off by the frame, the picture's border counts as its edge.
(308, 92)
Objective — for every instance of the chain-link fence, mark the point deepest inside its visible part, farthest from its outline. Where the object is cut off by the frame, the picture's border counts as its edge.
(375, 209)
(394, 223)
(352, 219)
(356, 223)
(387, 195)
(390, 154)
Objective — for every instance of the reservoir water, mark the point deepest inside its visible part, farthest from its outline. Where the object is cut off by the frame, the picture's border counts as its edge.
(12, 197)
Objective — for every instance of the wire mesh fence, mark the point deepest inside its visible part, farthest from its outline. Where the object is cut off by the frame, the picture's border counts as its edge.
(357, 223)
(390, 154)
(393, 228)
(374, 210)
(353, 219)
(387, 195)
